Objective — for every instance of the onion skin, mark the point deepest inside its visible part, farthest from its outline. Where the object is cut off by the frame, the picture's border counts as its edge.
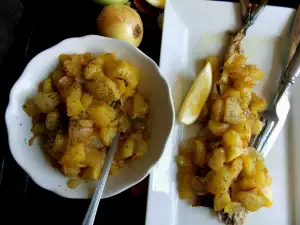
(122, 22)
(108, 2)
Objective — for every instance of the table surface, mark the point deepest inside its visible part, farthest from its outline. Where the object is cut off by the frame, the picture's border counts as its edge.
(40, 25)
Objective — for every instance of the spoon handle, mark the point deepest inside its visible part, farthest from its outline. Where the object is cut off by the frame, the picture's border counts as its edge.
(92, 210)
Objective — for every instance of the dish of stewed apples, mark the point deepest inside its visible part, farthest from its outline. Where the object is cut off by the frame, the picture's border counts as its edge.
(81, 106)
(219, 168)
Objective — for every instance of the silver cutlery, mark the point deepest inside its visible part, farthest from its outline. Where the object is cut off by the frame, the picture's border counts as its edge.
(92, 210)
(295, 38)
(271, 116)
(274, 117)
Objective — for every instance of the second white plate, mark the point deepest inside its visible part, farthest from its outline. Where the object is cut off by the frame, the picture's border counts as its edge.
(192, 32)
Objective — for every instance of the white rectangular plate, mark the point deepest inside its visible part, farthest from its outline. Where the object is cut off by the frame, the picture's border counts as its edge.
(194, 30)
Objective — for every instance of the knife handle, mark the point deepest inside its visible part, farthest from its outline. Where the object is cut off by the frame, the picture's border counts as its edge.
(293, 70)
(290, 71)
(295, 38)
(290, 76)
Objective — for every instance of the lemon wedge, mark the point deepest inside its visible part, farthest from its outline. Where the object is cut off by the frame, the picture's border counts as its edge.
(197, 96)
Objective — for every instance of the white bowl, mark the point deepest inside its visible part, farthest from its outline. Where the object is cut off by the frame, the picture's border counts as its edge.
(34, 162)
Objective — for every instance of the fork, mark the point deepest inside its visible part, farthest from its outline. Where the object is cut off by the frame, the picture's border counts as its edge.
(270, 116)
(264, 141)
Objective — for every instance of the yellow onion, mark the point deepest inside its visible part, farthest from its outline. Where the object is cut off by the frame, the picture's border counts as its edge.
(108, 2)
(157, 3)
(122, 22)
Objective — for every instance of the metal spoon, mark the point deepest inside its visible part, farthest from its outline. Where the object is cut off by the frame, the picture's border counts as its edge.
(92, 211)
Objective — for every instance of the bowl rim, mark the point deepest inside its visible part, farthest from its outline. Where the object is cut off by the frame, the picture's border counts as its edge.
(56, 47)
